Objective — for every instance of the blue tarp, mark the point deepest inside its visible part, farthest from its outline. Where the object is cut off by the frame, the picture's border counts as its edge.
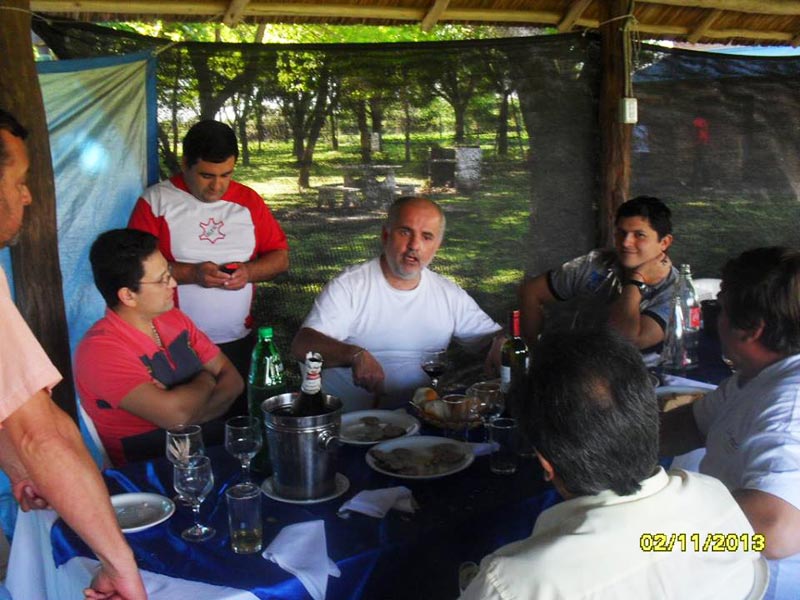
(101, 118)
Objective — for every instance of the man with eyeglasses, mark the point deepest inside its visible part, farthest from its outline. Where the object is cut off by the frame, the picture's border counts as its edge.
(145, 366)
(220, 238)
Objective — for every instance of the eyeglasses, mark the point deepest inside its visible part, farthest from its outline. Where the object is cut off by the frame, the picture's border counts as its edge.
(165, 279)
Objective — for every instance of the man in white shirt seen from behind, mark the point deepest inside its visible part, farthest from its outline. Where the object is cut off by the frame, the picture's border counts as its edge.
(750, 425)
(592, 414)
(373, 321)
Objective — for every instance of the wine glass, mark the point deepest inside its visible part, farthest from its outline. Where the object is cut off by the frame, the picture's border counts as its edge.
(183, 442)
(195, 480)
(488, 401)
(434, 363)
(243, 440)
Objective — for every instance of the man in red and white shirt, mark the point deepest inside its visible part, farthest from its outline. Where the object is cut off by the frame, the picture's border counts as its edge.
(219, 238)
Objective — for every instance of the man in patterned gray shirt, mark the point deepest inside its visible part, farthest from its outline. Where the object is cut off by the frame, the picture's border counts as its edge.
(630, 288)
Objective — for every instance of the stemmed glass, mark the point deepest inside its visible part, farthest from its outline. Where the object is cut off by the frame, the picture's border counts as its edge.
(183, 442)
(195, 480)
(488, 401)
(434, 363)
(243, 440)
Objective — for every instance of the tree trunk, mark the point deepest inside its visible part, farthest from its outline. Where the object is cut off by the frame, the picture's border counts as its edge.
(334, 133)
(502, 125)
(459, 111)
(407, 127)
(34, 260)
(363, 130)
(376, 112)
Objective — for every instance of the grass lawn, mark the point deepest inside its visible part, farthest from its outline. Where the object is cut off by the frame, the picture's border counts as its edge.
(487, 232)
(483, 244)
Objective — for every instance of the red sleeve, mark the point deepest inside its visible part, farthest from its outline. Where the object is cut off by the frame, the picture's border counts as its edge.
(143, 219)
(105, 369)
(268, 233)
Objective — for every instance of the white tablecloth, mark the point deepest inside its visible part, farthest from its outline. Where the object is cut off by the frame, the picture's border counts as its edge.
(32, 574)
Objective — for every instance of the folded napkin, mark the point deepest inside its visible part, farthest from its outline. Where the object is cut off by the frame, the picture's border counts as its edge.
(302, 550)
(376, 503)
(676, 380)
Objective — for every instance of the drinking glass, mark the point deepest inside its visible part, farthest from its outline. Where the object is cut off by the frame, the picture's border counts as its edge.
(243, 440)
(458, 414)
(728, 363)
(488, 401)
(195, 480)
(434, 363)
(183, 442)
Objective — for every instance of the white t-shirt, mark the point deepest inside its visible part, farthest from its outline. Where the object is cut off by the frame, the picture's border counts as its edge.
(360, 307)
(592, 547)
(753, 442)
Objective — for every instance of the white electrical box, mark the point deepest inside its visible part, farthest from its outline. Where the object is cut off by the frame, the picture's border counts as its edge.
(628, 110)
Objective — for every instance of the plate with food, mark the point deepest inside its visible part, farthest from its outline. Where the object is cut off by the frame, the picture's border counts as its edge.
(366, 427)
(671, 397)
(433, 410)
(420, 457)
(140, 511)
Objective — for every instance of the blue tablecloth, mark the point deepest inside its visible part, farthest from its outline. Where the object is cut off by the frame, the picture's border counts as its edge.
(462, 517)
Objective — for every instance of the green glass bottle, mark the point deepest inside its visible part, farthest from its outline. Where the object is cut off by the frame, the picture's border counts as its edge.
(266, 379)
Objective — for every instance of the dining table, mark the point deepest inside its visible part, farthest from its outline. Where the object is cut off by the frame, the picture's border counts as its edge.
(461, 518)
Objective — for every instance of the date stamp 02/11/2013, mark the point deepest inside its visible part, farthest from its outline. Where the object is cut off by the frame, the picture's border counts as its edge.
(707, 542)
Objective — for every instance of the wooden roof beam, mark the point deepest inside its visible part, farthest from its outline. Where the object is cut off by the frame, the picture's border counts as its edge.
(573, 14)
(704, 26)
(235, 12)
(796, 41)
(433, 15)
(759, 7)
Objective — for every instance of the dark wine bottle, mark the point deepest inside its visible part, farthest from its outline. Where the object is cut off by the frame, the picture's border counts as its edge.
(311, 401)
(514, 357)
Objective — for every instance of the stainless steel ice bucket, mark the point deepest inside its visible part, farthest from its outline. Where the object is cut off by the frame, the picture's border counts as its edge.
(302, 450)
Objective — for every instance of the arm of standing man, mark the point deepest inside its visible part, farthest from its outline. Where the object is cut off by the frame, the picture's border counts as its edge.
(50, 449)
(534, 295)
(624, 312)
(367, 371)
(207, 396)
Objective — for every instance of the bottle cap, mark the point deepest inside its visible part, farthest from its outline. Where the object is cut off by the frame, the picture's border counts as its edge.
(265, 332)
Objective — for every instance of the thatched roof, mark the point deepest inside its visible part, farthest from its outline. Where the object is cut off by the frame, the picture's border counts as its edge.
(762, 22)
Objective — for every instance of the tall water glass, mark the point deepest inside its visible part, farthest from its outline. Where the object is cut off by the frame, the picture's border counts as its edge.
(244, 517)
(195, 480)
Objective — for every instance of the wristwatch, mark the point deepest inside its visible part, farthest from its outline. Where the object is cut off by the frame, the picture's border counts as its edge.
(639, 284)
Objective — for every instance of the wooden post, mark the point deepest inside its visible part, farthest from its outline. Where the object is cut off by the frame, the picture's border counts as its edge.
(37, 274)
(615, 138)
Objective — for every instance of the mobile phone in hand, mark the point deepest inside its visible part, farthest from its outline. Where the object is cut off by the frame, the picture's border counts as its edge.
(229, 268)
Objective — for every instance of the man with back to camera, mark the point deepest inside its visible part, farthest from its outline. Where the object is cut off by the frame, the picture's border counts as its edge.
(750, 425)
(630, 288)
(372, 322)
(219, 237)
(145, 367)
(593, 416)
(41, 449)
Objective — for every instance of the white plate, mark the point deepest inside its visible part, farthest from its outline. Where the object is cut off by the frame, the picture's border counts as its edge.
(342, 485)
(351, 424)
(140, 511)
(417, 443)
(666, 390)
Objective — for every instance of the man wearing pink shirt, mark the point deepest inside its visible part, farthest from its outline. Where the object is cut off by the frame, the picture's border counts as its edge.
(41, 449)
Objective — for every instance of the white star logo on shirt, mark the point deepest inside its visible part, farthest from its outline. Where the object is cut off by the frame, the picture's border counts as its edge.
(212, 231)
